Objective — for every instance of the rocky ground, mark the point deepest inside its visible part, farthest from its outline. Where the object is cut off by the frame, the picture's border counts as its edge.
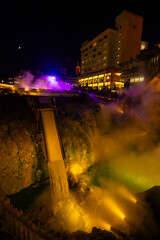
(21, 156)
(77, 123)
(24, 173)
(143, 226)
(22, 161)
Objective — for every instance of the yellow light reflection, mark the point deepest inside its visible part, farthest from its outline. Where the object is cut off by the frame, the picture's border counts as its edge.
(72, 216)
(103, 225)
(6, 85)
(118, 74)
(114, 208)
(125, 193)
(76, 169)
(120, 110)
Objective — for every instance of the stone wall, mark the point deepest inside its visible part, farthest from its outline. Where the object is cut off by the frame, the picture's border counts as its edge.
(22, 160)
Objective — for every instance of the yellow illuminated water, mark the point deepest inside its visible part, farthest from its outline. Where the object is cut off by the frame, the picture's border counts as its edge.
(58, 178)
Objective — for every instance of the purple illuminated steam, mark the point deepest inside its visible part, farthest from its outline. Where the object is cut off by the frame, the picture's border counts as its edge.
(47, 82)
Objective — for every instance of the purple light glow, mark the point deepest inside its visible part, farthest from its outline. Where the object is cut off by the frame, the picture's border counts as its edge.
(47, 82)
(52, 80)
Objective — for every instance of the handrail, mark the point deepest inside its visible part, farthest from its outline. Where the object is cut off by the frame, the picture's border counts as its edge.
(19, 226)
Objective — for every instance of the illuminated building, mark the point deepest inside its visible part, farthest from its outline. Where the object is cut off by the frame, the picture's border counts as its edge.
(145, 67)
(109, 49)
(106, 80)
(129, 27)
(99, 53)
(144, 45)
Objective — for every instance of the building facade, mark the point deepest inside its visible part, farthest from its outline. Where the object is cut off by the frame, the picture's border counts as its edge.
(99, 53)
(107, 80)
(100, 57)
(129, 28)
(145, 67)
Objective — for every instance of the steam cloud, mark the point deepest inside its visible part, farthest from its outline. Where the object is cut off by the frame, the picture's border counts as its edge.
(29, 81)
(126, 149)
(128, 139)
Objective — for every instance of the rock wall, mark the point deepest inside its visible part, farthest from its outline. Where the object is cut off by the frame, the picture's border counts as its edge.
(21, 157)
(22, 160)
(77, 122)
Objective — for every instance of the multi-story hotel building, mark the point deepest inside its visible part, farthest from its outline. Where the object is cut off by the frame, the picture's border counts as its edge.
(99, 53)
(129, 28)
(101, 56)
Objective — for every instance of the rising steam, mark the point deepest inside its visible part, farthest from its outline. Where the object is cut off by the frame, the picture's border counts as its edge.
(126, 152)
(128, 140)
(127, 149)
(28, 81)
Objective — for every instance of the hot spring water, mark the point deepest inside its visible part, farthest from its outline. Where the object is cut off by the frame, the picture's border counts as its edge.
(58, 181)
(57, 174)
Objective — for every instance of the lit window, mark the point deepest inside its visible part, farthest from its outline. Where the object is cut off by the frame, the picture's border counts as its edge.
(132, 80)
(141, 79)
(136, 79)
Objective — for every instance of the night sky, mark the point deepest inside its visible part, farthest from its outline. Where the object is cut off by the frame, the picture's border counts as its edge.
(47, 35)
